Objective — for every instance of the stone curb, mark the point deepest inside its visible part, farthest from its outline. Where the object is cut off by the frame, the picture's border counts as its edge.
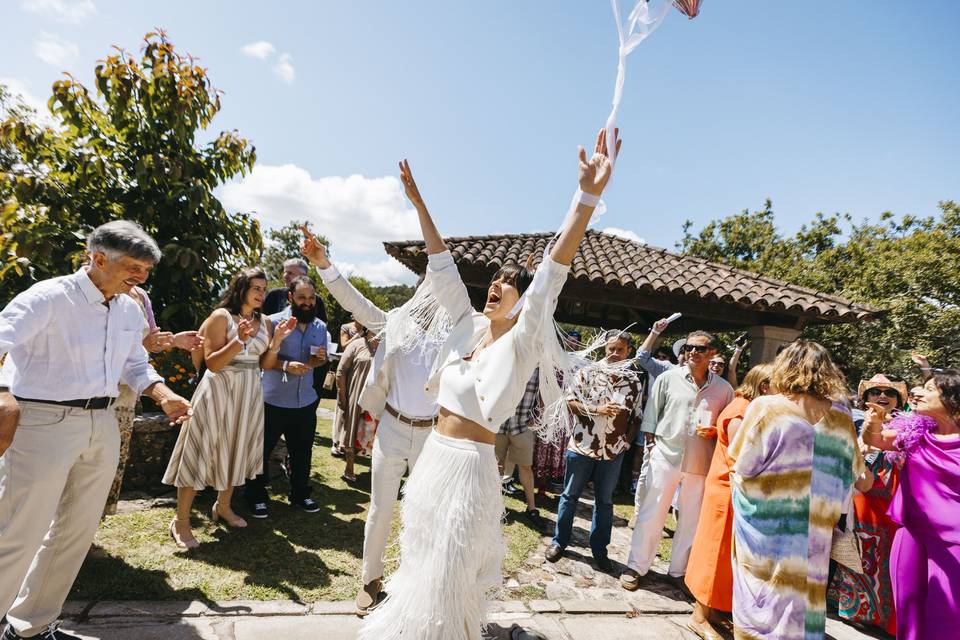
(83, 610)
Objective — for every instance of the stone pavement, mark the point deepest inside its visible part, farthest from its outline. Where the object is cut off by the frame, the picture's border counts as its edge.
(335, 621)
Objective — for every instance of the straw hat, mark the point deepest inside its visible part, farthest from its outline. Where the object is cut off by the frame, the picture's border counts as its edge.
(880, 381)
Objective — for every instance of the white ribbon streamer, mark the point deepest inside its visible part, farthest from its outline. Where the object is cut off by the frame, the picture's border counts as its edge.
(558, 360)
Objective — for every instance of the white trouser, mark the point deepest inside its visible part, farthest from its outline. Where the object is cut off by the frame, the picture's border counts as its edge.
(655, 490)
(54, 481)
(395, 449)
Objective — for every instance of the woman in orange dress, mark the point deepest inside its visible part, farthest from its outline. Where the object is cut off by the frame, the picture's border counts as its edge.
(710, 570)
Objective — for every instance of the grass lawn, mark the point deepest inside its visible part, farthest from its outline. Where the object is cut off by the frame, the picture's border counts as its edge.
(291, 555)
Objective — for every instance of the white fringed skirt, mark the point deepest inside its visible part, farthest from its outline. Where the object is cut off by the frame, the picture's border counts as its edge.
(451, 546)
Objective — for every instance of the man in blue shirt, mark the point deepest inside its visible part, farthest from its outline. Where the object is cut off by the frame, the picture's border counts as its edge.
(290, 399)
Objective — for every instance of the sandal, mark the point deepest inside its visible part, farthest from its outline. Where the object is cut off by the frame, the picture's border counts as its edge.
(348, 479)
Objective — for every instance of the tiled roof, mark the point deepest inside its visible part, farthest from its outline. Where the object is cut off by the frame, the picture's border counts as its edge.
(612, 263)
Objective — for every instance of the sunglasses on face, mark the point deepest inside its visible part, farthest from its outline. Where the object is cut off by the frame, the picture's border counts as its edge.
(699, 348)
(890, 393)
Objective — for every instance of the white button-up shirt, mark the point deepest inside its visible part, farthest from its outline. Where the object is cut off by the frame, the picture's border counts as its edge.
(64, 343)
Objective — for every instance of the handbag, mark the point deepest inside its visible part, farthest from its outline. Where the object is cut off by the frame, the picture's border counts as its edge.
(845, 550)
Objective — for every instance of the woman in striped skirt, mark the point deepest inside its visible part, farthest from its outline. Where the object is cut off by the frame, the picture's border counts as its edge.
(221, 446)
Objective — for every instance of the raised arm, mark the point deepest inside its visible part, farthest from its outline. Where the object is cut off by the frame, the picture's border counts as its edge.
(369, 314)
(431, 236)
(541, 296)
(594, 174)
(445, 281)
(651, 340)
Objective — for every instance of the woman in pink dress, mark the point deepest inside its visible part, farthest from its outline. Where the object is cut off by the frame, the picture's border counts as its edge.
(925, 559)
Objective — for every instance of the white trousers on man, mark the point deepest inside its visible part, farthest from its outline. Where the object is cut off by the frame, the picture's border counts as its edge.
(656, 487)
(54, 481)
(395, 449)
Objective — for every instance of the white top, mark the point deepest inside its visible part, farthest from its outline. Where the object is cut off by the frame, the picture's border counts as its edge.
(502, 369)
(458, 392)
(408, 376)
(395, 377)
(63, 343)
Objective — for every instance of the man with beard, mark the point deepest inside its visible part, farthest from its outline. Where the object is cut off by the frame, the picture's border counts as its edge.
(290, 400)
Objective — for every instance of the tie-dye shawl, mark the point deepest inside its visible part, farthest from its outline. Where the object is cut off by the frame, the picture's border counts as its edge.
(790, 478)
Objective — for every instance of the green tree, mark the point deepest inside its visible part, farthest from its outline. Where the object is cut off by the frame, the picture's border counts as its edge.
(284, 243)
(131, 151)
(909, 266)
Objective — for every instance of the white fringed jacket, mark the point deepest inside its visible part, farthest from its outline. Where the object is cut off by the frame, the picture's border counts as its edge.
(503, 368)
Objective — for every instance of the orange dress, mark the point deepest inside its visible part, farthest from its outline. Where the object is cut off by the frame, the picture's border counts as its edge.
(710, 568)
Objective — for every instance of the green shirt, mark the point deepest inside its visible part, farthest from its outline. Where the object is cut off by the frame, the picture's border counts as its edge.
(674, 409)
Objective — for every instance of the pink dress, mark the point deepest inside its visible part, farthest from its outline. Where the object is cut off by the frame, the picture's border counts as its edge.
(925, 559)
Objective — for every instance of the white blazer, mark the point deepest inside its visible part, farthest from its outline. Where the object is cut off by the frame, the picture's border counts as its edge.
(503, 368)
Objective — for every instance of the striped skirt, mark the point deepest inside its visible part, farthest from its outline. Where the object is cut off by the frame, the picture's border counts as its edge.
(221, 445)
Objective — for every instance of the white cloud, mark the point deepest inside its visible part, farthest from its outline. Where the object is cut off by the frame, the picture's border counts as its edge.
(55, 51)
(72, 11)
(624, 233)
(381, 274)
(260, 50)
(284, 68)
(355, 212)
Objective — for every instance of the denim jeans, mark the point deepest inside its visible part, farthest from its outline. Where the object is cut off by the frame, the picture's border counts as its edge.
(580, 470)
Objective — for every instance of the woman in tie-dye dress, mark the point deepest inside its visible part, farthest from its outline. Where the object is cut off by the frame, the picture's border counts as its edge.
(796, 457)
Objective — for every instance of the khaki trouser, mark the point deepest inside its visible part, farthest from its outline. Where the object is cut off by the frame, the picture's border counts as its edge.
(54, 481)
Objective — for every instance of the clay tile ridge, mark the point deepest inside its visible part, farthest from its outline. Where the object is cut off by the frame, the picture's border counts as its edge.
(600, 252)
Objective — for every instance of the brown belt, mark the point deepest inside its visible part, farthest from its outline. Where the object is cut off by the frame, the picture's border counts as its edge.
(420, 424)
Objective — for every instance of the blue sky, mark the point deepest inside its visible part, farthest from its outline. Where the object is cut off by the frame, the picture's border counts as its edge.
(838, 106)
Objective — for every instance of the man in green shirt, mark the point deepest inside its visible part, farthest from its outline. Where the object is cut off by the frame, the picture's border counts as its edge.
(680, 419)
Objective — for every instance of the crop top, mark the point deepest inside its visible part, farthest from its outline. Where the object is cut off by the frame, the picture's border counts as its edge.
(458, 393)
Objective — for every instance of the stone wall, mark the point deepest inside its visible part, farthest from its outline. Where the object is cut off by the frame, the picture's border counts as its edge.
(150, 449)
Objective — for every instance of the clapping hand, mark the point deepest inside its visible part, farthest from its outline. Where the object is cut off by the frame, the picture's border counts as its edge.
(596, 171)
(157, 341)
(282, 330)
(244, 330)
(188, 340)
(314, 250)
(410, 185)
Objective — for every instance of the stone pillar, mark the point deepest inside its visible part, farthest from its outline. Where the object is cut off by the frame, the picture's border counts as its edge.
(765, 340)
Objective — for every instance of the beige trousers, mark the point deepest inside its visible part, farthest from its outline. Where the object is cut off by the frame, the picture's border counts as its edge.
(54, 481)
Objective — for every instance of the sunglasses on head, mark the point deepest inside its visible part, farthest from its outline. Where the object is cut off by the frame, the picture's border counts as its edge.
(890, 393)
(699, 348)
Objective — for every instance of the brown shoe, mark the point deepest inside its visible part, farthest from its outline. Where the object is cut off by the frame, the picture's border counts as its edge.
(369, 597)
(630, 580)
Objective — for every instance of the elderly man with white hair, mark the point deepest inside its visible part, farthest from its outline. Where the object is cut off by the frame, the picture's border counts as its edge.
(69, 342)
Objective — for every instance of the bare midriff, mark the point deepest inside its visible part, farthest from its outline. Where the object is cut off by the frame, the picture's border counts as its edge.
(454, 426)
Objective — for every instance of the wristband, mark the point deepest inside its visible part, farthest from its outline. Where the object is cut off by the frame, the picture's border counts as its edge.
(654, 332)
(588, 199)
